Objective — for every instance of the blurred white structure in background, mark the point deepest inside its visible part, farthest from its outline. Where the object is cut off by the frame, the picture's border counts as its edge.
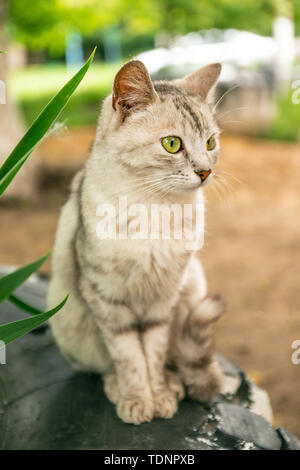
(283, 32)
(240, 48)
(254, 69)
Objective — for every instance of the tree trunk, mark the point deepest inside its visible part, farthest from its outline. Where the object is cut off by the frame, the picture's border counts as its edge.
(25, 184)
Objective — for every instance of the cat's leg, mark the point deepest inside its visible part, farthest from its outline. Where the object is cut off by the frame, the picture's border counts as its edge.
(197, 364)
(134, 397)
(166, 389)
(120, 332)
(133, 393)
(191, 347)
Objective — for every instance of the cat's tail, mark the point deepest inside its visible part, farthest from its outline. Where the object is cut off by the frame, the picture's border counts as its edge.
(193, 353)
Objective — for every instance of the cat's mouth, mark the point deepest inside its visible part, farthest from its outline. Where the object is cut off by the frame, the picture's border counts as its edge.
(205, 177)
(194, 185)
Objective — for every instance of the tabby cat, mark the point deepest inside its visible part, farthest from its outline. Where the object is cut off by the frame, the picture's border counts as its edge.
(138, 312)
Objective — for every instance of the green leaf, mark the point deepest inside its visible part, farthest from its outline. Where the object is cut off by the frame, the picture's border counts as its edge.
(23, 305)
(39, 128)
(13, 280)
(14, 330)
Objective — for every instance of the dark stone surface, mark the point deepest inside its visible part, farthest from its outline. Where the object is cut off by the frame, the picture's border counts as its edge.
(289, 442)
(242, 425)
(45, 405)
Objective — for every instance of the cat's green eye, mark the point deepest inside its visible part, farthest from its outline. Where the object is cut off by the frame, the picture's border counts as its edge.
(211, 143)
(172, 144)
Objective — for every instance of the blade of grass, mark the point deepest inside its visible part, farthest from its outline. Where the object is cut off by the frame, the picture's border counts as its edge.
(23, 305)
(14, 330)
(13, 280)
(39, 128)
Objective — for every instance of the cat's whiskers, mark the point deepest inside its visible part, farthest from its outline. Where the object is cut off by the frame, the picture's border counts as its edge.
(165, 186)
(228, 197)
(231, 111)
(152, 184)
(144, 179)
(227, 184)
(223, 96)
(214, 187)
(231, 176)
(220, 117)
(223, 194)
(131, 188)
(151, 189)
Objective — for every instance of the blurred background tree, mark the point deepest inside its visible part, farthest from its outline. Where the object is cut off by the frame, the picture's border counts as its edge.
(46, 26)
(60, 31)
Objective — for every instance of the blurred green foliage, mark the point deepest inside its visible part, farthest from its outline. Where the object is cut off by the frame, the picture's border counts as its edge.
(43, 25)
(10, 282)
(35, 85)
(286, 122)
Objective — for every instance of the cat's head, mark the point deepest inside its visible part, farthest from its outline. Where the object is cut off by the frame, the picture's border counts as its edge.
(163, 131)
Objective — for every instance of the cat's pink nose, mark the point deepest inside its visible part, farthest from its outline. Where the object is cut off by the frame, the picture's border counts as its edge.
(203, 174)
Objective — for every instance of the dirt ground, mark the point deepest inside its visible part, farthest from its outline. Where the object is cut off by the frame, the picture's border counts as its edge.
(251, 252)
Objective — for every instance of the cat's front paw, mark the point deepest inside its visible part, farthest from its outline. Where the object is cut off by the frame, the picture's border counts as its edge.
(165, 404)
(135, 410)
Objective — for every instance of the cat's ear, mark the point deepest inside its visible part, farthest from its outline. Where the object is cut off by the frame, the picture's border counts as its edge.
(133, 88)
(202, 82)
